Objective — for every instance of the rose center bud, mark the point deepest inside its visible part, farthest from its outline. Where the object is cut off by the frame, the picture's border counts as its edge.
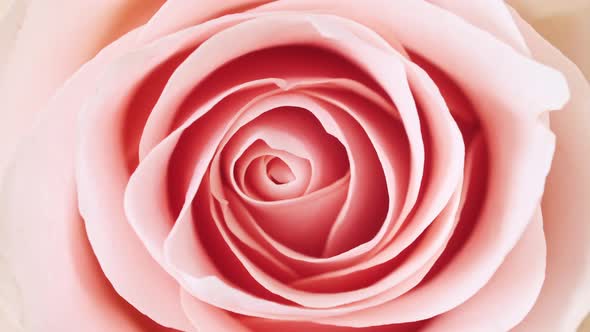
(289, 175)
(279, 172)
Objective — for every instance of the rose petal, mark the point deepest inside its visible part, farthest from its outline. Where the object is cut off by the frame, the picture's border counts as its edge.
(266, 325)
(297, 132)
(563, 302)
(207, 318)
(104, 163)
(213, 288)
(296, 222)
(176, 15)
(153, 221)
(83, 30)
(518, 96)
(446, 168)
(516, 284)
(181, 87)
(546, 79)
(492, 16)
(47, 244)
(269, 174)
(393, 144)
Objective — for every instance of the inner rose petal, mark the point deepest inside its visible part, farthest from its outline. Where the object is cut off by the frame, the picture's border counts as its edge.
(200, 49)
(253, 269)
(285, 219)
(508, 102)
(259, 274)
(215, 100)
(405, 115)
(425, 247)
(297, 132)
(278, 171)
(395, 147)
(269, 174)
(282, 59)
(213, 289)
(391, 143)
(222, 226)
(444, 171)
(289, 66)
(149, 220)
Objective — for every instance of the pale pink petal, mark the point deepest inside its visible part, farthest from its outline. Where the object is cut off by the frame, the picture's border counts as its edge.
(46, 240)
(360, 164)
(45, 54)
(176, 15)
(194, 83)
(107, 154)
(297, 132)
(446, 168)
(308, 264)
(148, 210)
(270, 174)
(207, 318)
(492, 16)
(426, 36)
(265, 325)
(211, 286)
(185, 88)
(515, 285)
(564, 299)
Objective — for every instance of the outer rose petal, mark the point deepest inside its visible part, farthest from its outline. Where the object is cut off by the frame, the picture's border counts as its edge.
(62, 286)
(570, 33)
(492, 16)
(45, 53)
(547, 8)
(173, 16)
(564, 299)
(46, 241)
(515, 285)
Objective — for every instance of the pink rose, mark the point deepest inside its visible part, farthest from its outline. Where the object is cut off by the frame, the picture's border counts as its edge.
(294, 165)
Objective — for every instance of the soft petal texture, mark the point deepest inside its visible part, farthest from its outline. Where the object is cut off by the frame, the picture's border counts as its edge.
(539, 146)
(564, 299)
(569, 32)
(173, 16)
(535, 9)
(489, 15)
(84, 28)
(103, 174)
(67, 253)
(522, 273)
(182, 252)
(56, 251)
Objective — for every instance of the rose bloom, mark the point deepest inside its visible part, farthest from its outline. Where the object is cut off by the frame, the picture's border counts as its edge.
(293, 165)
